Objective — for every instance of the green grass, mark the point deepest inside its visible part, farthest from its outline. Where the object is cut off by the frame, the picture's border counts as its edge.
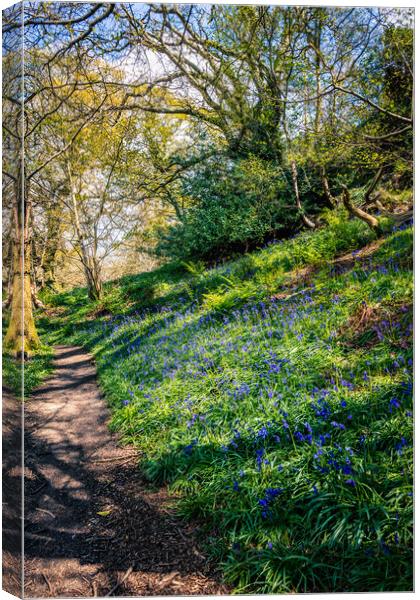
(273, 394)
(37, 368)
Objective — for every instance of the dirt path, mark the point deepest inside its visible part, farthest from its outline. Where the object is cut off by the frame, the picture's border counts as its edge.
(74, 470)
(12, 492)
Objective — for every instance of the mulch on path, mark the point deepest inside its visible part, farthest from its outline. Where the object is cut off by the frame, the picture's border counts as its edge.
(75, 469)
(12, 492)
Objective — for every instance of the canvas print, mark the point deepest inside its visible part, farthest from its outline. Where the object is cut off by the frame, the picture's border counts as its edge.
(207, 299)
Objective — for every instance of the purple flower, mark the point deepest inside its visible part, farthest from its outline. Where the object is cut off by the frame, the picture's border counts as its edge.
(350, 482)
(385, 547)
(260, 454)
(393, 403)
(262, 433)
(299, 436)
(401, 444)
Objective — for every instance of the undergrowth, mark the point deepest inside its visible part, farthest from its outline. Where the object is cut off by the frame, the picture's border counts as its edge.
(276, 402)
(36, 369)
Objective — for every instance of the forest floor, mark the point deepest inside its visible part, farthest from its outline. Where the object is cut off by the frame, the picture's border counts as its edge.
(93, 527)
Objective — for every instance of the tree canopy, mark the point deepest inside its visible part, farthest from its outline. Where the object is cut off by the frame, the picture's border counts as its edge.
(190, 131)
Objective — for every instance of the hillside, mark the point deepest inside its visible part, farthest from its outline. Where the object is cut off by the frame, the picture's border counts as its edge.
(208, 297)
(273, 394)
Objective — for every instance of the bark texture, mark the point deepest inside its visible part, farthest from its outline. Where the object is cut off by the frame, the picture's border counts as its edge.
(21, 336)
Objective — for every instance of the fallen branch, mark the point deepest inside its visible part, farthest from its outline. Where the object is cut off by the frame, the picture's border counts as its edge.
(114, 458)
(34, 536)
(167, 580)
(47, 581)
(117, 585)
(197, 553)
(398, 217)
(48, 512)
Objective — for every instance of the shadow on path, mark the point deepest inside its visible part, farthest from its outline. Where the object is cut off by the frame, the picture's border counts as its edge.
(12, 492)
(74, 469)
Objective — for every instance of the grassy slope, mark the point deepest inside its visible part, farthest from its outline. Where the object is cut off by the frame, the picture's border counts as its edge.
(276, 400)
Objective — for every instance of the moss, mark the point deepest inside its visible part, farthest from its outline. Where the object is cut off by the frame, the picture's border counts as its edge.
(21, 334)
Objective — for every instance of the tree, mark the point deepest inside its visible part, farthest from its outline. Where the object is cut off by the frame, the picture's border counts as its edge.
(99, 200)
(306, 95)
(21, 335)
(29, 101)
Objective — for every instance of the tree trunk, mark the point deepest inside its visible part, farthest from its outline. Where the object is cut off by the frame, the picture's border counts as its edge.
(91, 267)
(305, 219)
(318, 101)
(95, 281)
(326, 188)
(371, 187)
(21, 337)
(48, 259)
(359, 213)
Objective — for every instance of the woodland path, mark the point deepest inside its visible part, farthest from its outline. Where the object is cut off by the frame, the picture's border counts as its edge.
(74, 468)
